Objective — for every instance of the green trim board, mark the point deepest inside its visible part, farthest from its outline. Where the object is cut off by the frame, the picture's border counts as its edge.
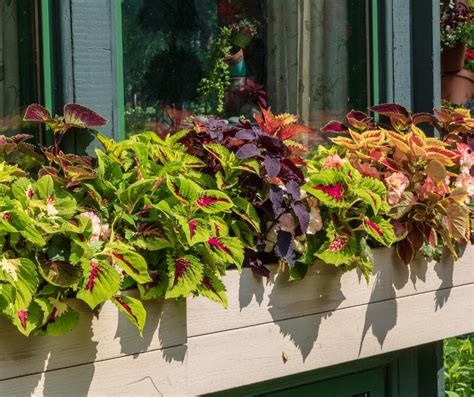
(119, 71)
(47, 60)
(375, 53)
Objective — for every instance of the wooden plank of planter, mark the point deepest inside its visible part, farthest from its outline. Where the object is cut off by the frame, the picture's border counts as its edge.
(229, 359)
(157, 373)
(108, 336)
(254, 300)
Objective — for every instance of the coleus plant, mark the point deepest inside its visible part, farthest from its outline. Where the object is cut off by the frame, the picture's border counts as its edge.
(427, 188)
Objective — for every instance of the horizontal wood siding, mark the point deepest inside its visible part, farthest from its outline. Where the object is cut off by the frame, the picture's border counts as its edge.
(326, 319)
(253, 300)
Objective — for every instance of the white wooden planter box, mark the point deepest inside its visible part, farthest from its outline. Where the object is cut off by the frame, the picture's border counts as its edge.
(328, 318)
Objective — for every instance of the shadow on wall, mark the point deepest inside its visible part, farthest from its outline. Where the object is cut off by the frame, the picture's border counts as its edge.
(79, 363)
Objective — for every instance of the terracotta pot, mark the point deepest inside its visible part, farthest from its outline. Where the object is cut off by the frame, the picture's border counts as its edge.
(452, 58)
(458, 87)
(234, 59)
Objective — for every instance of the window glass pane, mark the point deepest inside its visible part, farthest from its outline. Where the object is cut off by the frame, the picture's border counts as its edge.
(306, 57)
(19, 63)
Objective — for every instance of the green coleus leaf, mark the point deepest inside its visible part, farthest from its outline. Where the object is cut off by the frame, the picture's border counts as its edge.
(380, 230)
(227, 249)
(183, 188)
(25, 226)
(213, 288)
(371, 191)
(155, 289)
(45, 187)
(214, 201)
(130, 261)
(340, 247)
(100, 283)
(107, 168)
(196, 230)
(130, 196)
(22, 275)
(58, 317)
(185, 274)
(28, 319)
(60, 273)
(246, 211)
(133, 309)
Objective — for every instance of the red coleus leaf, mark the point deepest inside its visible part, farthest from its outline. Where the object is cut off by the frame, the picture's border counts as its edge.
(334, 126)
(406, 251)
(335, 191)
(80, 116)
(36, 112)
(390, 109)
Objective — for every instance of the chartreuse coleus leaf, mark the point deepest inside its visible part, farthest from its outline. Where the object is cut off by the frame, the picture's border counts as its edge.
(156, 288)
(133, 309)
(340, 247)
(27, 319)
(185, 274)
(133, 193)
(24, 225)
(371, 191)
(214, 201)
(101, 282)
(58, 317)
(22, 275)
(129, 260)
(328, 186)
(380, 230)
(183, 188)
(246, 211)
(227, 249)
(61, 273)
(196, 230)
(212, 288)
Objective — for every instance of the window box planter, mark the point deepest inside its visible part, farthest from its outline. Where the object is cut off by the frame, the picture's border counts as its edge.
(272, 328)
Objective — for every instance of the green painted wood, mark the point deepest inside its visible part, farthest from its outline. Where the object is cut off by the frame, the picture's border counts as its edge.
(47, 58)
(118, 71)
(363, 384)
(375, 53)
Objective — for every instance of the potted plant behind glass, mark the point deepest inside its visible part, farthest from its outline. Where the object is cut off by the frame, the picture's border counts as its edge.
(457, 31)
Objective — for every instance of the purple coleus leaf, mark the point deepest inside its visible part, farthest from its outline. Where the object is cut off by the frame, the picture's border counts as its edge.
(247, 151)
(248, 134)
(293, 190)
(335, 191)
(276, 198)
(36, 112)
(334, 126)
(80, 116)
(216, 244)
(272, 166)
(302, 213)
(284, 247)
(374, 226)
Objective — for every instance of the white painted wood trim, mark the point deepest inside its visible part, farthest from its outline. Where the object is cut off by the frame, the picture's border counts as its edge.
(254, 300)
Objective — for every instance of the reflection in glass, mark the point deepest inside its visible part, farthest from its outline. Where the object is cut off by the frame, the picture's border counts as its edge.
(229, 57)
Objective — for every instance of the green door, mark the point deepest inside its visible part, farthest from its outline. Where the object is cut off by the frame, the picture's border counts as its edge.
(363, 384)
